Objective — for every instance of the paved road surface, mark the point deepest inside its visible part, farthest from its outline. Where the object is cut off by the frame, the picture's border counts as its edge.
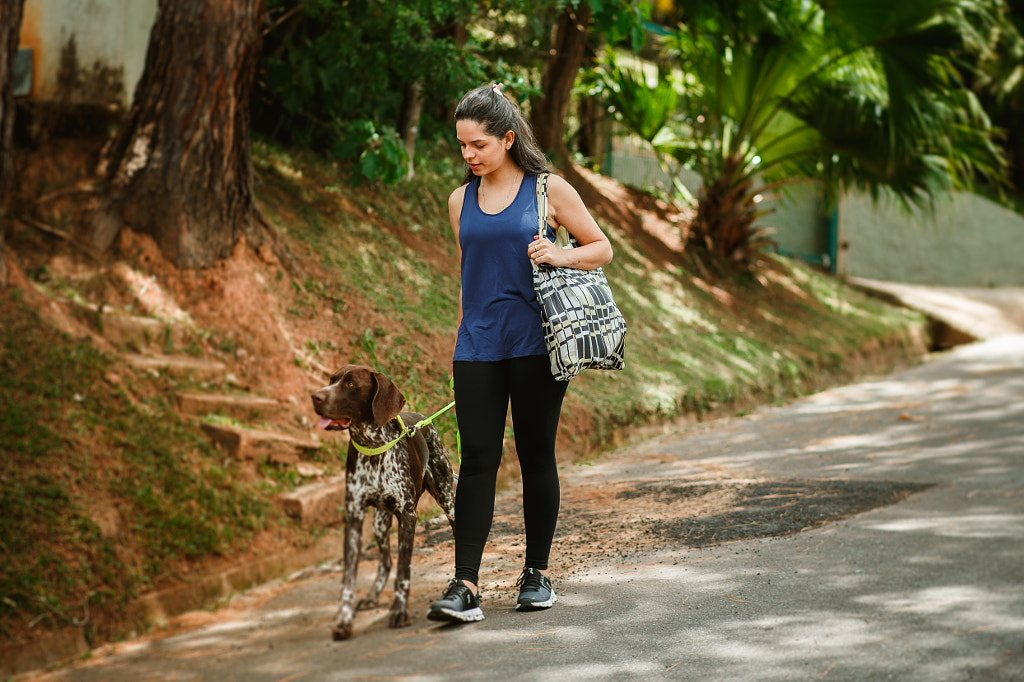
(929, 588)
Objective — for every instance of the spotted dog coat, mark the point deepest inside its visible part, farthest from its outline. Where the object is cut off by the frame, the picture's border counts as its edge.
(366, 403)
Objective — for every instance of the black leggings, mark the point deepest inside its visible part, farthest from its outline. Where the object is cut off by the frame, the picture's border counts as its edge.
(483, 391)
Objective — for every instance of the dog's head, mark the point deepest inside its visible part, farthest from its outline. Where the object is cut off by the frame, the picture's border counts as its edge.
(357, 394)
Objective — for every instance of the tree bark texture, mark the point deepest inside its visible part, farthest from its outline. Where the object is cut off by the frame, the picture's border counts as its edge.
(11, 12)
(564, 59)
(180, 167)
(409, 123)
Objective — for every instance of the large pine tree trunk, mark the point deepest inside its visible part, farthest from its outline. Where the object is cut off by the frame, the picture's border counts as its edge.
(548, 114)
(180, 168)
(10, 27)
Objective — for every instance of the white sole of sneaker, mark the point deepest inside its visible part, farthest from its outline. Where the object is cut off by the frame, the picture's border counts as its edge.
(537, 605)
(452, 616)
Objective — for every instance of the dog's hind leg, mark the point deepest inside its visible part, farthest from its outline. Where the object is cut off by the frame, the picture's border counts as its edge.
(381, 530)
(354, 515)
(440, 479)
(403, 572)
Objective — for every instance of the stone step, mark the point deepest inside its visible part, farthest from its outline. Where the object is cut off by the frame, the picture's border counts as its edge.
(244, 408)
(260, 446)
(316, 504)
(179, 365)
(141, 332)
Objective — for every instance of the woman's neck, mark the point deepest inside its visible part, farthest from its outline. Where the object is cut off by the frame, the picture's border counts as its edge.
(501, 177)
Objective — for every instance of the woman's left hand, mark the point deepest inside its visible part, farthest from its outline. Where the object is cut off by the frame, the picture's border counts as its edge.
(544, 251)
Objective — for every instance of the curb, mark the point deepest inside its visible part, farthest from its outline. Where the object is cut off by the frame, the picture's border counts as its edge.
(155, 608)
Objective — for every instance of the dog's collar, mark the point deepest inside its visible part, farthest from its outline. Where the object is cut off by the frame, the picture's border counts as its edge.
(405, 431)
(373, 452)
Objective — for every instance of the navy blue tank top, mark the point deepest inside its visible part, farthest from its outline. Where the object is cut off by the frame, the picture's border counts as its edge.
(500, 313)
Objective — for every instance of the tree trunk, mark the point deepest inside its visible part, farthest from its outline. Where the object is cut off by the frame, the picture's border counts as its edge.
(179, 168)
(409, 122)
(548, 114)
(10, 27)
(595, 123)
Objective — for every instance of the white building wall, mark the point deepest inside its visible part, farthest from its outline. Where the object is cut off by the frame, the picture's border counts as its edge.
(969, 241)
(87, 51)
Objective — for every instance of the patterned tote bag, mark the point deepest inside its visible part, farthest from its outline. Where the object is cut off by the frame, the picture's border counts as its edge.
(583, 328)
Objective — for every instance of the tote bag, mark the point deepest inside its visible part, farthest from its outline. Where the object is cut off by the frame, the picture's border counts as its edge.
(583, 328)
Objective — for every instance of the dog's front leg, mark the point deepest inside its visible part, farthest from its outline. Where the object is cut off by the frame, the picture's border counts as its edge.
(354, 515)
(403, 572)
(381, 529)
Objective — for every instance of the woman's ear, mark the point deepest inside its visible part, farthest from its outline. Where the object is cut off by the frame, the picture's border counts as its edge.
(509, 138)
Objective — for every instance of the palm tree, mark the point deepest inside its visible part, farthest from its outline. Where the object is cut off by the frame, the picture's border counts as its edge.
(999, 82)
(845, 93)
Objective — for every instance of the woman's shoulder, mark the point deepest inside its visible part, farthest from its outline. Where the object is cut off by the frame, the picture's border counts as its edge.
(457, 195)
(560, 187)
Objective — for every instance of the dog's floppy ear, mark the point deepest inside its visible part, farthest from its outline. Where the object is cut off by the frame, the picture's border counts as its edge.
(387, 400)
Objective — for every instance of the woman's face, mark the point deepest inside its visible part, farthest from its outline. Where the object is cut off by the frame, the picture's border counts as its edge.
(484, 153)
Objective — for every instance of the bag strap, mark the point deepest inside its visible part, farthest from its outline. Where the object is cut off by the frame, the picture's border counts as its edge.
(562, 236)
(542, 205)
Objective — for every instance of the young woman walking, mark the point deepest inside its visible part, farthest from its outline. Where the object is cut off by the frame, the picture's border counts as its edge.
(500, 356)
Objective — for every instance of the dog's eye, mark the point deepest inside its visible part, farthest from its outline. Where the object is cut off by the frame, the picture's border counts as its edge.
(350, 384)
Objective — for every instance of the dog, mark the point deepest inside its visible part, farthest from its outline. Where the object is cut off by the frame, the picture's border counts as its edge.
(367, 403)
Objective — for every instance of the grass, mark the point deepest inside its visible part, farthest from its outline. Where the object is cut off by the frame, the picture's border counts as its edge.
(691, 346)
(75, 447)
(105, 492)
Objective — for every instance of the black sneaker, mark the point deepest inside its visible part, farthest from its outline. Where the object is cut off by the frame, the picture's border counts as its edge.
(458, 604)
(534, 591)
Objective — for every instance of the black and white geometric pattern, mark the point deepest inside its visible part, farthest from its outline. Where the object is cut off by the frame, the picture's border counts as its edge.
(583, 328)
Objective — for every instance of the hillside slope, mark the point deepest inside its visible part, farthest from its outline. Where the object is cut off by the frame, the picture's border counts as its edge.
(111, 489)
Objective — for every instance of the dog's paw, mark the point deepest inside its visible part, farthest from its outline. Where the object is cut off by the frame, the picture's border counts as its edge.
(399, 619)
(341, 632)
(367, 604)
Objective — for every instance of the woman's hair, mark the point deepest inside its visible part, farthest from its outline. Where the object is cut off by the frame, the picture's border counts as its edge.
(497, 114)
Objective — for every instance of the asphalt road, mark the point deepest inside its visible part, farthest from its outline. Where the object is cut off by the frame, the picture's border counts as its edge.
(928, 588)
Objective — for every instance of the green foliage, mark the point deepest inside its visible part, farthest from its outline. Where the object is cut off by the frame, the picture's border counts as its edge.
(80, 449)
(846, 94)
(691, 346)
(999, 84)
(644, 107)
(377, 155)
(621, 22)
(336, 76)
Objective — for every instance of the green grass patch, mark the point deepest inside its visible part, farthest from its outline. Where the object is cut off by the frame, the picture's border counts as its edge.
(105, 492)
(101, 497)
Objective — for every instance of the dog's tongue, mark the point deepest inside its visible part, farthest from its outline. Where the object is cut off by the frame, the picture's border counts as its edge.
(324, 422)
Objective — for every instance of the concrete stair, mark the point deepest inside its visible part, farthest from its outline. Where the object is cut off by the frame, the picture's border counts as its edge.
(133, 331)
(244, 407)
(183, 366)
(260, 446)
(262, 430)
(316, 504)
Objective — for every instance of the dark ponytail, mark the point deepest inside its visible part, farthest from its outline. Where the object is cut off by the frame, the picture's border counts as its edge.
(497, 114)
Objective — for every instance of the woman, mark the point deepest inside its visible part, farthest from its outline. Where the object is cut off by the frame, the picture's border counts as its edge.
(500, 356)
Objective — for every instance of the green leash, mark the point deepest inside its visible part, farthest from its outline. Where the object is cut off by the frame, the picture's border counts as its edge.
(406, 431)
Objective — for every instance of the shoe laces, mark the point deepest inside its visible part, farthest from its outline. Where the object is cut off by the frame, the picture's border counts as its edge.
(456, 588)
(530, 579)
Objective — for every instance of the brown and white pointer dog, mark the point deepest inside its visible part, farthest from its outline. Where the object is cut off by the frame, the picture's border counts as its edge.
(367, 403)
